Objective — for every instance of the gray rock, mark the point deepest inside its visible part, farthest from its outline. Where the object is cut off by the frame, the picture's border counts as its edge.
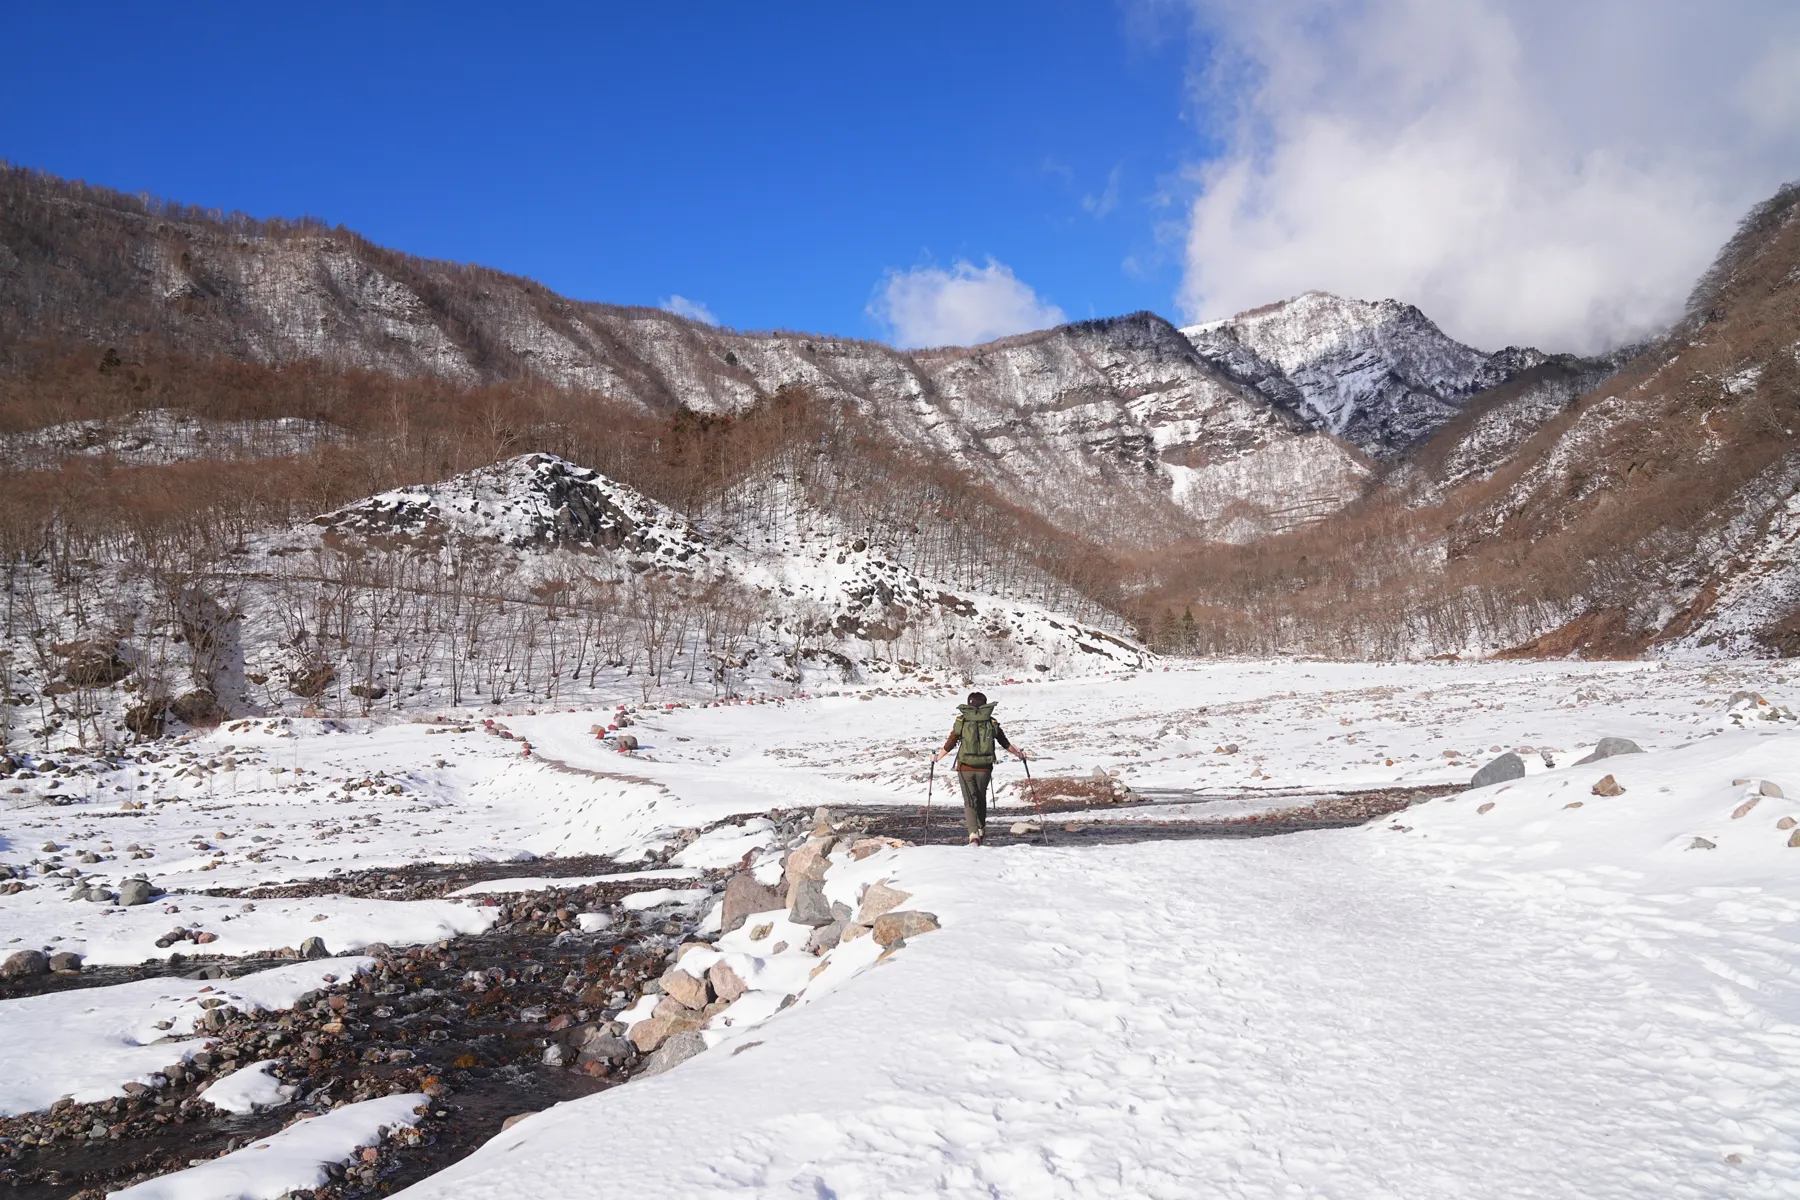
(97, 895)
(1754, 699)
(826, 936)
(678, 1049)
(24, 963)
(314, 947)
(810, 907)
(1508, 766)
(744, 897)
(135, 891)
(1610, 746)
(65, 960)
(1701, 843)
(597, 1044)
(1769, 787)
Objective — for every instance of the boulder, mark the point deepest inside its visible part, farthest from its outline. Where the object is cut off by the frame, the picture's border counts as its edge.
(810, 861)
(745, 897)
(825, 937)
(864, 847)
(1785, 823)
(596, 1043)
(1508, 766)
(1608, 786)
(1743, 810)
(676, 1050)
(907, 922)
(727, 984)
(648, 1035)
(879, 899)
(135, 891)
(65, 961)
(1610, 746)
(809, 905)
(514, 1120)
(690, 990)
(314, 947)
(23, 964)
(199, 708)
(1794, 839)
(1769, 787)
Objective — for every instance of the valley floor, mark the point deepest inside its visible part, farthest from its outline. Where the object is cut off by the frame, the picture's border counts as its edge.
(1527, 990)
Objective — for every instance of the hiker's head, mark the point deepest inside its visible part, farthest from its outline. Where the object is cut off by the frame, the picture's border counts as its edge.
(976, 699)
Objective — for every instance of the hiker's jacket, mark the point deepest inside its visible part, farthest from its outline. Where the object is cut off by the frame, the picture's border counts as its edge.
(974, 737)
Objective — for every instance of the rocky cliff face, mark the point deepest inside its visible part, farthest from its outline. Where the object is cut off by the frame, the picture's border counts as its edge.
(1378, 374)
(1122, 429)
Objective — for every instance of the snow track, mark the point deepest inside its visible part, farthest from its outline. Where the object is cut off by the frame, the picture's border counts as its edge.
(1282, 1017)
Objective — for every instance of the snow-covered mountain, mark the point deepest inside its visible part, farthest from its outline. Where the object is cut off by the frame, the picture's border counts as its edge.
(1378, 374)
(1120, 429)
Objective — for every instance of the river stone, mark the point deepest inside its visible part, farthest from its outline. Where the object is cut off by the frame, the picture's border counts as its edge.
(135, 891)
(648, 1035)
(690, 990)
(809, 905)
(24, 963)
(908, 922)
(676, 1050)
(727, 984)
(879, 899)
(745, 897)
(598, 1045)
(1610, 746)
(1507, 766)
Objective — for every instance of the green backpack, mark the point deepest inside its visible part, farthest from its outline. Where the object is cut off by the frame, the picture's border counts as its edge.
(976, 725)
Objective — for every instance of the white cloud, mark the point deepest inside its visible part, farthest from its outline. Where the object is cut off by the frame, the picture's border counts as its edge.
(1526, 171)
(693, 310)
(929, 306)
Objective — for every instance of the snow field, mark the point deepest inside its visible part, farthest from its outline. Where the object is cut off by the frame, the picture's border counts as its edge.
(89, 1044)
(288, 1161)
(1459, 1006)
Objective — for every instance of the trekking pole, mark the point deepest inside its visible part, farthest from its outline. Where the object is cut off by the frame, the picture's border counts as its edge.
(1043, 826)
(930, 780)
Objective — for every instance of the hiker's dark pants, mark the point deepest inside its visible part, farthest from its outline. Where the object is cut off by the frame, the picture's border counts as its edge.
(974, 790)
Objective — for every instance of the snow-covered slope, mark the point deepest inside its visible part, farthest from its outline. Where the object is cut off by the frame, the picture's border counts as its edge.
(1379, 374)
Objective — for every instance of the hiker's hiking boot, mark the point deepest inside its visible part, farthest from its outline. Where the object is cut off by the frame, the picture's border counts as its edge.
(974, 839)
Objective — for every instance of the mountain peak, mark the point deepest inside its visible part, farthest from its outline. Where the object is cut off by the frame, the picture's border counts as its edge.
(1378, 373)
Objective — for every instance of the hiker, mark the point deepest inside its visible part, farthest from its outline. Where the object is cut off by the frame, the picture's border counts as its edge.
(974, 737)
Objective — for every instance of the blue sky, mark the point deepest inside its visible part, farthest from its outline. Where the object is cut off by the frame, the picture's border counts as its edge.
(1526, 171)
(773, 163)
